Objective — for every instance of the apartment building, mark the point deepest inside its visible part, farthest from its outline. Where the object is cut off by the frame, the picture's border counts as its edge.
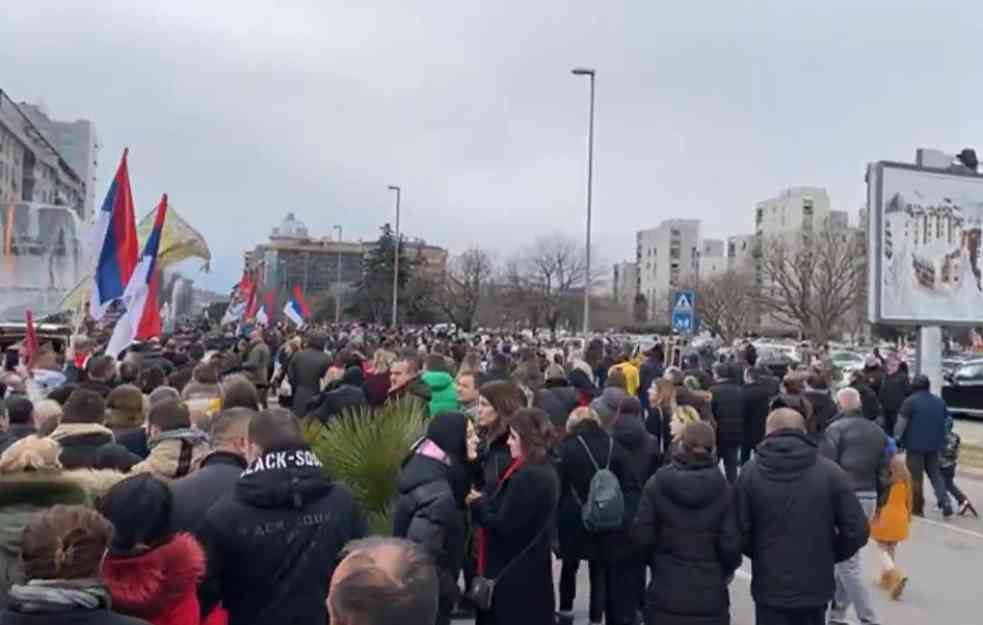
(667, 257)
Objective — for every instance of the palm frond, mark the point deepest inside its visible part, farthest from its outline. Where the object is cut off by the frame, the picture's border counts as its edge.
(364, 449)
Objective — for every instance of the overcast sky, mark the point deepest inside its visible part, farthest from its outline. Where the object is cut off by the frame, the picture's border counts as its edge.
(243, 113)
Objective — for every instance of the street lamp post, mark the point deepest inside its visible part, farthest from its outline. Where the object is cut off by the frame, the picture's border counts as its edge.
(583, 71)
(337, 295)
(396, 188)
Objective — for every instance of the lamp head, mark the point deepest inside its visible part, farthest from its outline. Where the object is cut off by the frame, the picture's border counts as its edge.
(582, 71)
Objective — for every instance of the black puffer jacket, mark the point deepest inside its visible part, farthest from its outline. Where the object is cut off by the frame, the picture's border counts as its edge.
(558, 402)
(728, 409)
(427, 513)
(274, 543)
(335, 401)
(688, 518)
(757, 398)
(868, 398)
(823, 408)
(894, 390)
(798, 516)
(576, 471)
(857, 444)
(641, 447)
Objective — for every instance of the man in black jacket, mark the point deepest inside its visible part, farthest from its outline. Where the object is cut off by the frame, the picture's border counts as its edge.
(857, 445)
(759, 388)
(798, 517)
(274, 542)
(895, 388)
(728, 408)
(650, 371)
(305, 371)
(218, 473)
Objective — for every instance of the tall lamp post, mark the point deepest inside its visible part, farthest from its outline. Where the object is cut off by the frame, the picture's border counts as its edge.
(337, 294)
(396, 188)
(583, 71)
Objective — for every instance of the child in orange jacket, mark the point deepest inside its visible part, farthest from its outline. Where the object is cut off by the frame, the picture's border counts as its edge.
(890, 526)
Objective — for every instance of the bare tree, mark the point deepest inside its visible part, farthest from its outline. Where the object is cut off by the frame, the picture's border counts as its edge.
(812, 279)
(725, 304)
(554, 267)
(461, 291)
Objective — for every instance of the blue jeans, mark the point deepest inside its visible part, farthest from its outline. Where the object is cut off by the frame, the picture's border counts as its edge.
(850, 587)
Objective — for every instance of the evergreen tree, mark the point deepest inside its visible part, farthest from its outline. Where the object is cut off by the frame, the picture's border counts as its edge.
(374, 292)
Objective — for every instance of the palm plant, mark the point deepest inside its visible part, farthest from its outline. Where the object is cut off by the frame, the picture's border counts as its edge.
(364, 449)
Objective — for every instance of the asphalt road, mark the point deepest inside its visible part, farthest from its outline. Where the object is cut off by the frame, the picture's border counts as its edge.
(971, 430)
(943, 561)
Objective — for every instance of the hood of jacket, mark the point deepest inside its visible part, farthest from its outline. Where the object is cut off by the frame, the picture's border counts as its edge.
(691, 483)
(83, 434)
(629, 431)
(151, 583)
(582, 381)
(785, 455)
(419, 470)
(438, 381)
(174, 454)
(288, 478)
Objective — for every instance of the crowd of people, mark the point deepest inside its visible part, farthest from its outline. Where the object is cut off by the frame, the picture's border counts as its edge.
(174, 486)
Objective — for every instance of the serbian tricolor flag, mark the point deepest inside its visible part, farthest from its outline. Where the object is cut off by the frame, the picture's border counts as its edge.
(296, 308)
(114, 238)
(142, 318)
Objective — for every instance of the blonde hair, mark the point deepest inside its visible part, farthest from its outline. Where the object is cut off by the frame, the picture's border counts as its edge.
(665, 393)
(581, 415)
(31, 453)
(47, 416)
(382, 360)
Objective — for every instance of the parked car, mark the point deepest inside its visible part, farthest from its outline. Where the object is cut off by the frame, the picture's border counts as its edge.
(962, 390)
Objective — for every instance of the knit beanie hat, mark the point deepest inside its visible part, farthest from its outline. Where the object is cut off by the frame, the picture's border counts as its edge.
(449, 431)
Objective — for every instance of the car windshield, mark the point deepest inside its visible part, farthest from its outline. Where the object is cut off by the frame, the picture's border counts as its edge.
(846, 357)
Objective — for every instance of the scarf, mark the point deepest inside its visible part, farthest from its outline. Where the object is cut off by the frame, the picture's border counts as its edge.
(59, 595)
(481, 534)
(191, 435)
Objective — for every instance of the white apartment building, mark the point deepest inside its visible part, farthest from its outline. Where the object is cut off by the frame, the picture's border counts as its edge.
(740, 252)
(31, 168)
(77, 143)
(713, 259)
(795, 210)
(625, 284)
(667, 257)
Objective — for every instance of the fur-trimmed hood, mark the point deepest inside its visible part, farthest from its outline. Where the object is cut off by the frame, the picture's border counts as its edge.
(156, 582)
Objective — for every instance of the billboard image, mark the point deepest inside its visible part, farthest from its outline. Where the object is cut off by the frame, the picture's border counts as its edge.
(924, 245)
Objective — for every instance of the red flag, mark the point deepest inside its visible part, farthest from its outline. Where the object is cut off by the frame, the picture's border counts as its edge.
(270, 304)
(299, 298)
(30, 340)
(251, 296)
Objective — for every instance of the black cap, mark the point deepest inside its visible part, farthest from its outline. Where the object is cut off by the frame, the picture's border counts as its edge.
(921, 382)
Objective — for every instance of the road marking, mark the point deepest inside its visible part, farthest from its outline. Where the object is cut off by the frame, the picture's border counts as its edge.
(954, 528)
(742, 574)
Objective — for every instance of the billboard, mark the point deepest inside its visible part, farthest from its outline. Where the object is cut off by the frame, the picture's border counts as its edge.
(923, 229)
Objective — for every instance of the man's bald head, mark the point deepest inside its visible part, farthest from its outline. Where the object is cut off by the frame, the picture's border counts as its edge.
(384, 581)
(785, 419)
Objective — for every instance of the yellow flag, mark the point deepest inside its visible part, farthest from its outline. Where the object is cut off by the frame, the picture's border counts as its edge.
(179, 241)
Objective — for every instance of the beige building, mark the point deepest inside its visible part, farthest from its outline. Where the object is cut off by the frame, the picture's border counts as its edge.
(31, 168)
(292, 256)
(713, 258)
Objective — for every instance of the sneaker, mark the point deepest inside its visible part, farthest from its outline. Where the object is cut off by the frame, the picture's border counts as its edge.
(947, 513)
(564, 618)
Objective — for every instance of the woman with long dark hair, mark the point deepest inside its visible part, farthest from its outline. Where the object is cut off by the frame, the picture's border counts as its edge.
(517, 518)
(497, 402)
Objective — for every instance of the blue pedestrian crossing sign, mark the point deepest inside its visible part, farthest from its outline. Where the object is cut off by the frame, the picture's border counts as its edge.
(683, 313)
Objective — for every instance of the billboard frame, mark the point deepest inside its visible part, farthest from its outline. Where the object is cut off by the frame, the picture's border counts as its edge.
(875, 241)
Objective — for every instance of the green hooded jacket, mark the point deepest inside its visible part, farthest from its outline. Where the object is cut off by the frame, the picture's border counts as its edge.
(443, 392)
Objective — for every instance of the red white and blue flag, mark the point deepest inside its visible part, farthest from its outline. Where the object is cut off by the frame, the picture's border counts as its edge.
(115, 241)
(296, 308)
(142, 318)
